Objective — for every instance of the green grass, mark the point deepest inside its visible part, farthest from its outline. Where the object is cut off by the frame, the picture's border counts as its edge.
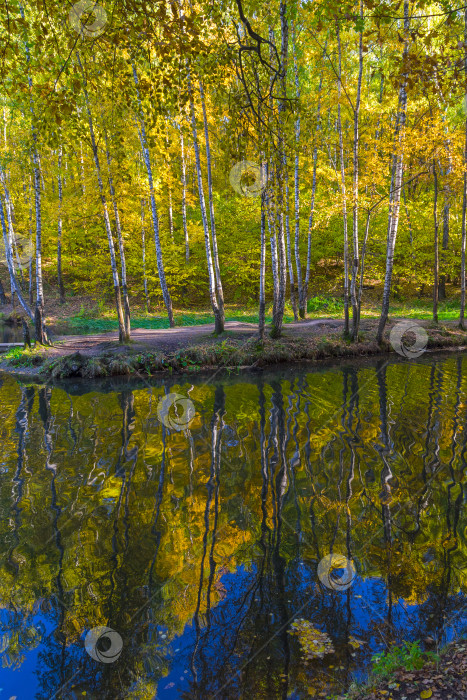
(19, 357)
(409, 656)
(83, 324)
(318, 307)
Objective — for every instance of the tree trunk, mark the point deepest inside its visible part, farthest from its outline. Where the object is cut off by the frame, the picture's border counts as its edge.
(183, 166)
(278, 316)
(59, 230)
(293, 291)
(169, 189)
(81, 172)
(40, 329)
(155, 220)
(3, 299)
(344, 198)
(219, 288)
(444, 246)
(304, 300)
(464, 197)
(121, 247)
(143, 241)
(396, 186)
(355, 260)
(436, 246)
(15, 289)
(270, 207)
(218, 320)
(298, 265)
(113, 263)
(362, 267)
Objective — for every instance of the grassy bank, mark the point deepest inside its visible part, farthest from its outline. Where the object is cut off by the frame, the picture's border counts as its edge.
(100, 320)
(85, 316)
(232, 351)
(408, 673)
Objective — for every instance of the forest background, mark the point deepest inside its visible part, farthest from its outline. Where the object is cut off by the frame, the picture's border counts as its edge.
(124, 124)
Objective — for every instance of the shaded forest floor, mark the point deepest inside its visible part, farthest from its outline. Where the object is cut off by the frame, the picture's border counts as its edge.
(194, 348)
(445, 679)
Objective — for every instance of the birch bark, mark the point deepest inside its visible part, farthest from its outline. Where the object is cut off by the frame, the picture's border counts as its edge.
(155, 218)
(343, 189)
(219, 288)
(218, 320)
(304, 300)
(15, 288)
(40, 329)
(143, 242)
(121, 246)
(398, 166)
(183, 168)
(108, 228)
(59, 229)
(436, 246)
(464, 196)
(355, 258)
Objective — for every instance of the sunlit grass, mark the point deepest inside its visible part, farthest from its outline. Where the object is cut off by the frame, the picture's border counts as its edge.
(103, 319)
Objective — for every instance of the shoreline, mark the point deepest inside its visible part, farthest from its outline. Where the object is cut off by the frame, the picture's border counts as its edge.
(165, 353)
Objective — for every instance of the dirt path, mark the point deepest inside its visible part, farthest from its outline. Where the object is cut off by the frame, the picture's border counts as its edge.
(171, 339)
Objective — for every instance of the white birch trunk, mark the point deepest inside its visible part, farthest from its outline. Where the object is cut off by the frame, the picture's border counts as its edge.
(183, 168)
(343, 189)
(155, 218)
(219, 288)
(219, 325)
(108, 228)
(40, 329)
(464, 195)
(59, 229)
(143, 242)
(15, 288)
(304, 300)
(355, 259)
(398, 166)
(121, 247)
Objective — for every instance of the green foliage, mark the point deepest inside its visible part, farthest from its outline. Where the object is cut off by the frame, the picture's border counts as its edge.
(409, 656)
(20, 357)
(321, 304)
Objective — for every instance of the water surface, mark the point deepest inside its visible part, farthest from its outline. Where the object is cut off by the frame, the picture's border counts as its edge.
(200, 547)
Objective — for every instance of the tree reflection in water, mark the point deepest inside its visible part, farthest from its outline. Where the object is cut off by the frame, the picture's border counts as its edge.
(201, 547)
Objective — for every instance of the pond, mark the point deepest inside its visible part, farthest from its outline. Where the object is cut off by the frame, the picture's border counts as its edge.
(11, 333)
(258, 536)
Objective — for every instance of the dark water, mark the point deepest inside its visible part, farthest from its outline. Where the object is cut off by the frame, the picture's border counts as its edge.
(200, 548)
(10, 333)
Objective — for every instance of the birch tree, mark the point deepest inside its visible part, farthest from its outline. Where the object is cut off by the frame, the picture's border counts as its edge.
(355, 259)
(59, 228)
(121, 246)
(113, 263)
(218, 317)
(396, 183)
(219, 289)
(152, 198)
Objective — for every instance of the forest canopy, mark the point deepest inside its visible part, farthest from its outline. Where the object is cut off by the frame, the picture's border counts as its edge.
(231, 152)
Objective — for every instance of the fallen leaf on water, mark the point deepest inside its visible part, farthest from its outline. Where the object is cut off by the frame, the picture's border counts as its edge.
(426, 694)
